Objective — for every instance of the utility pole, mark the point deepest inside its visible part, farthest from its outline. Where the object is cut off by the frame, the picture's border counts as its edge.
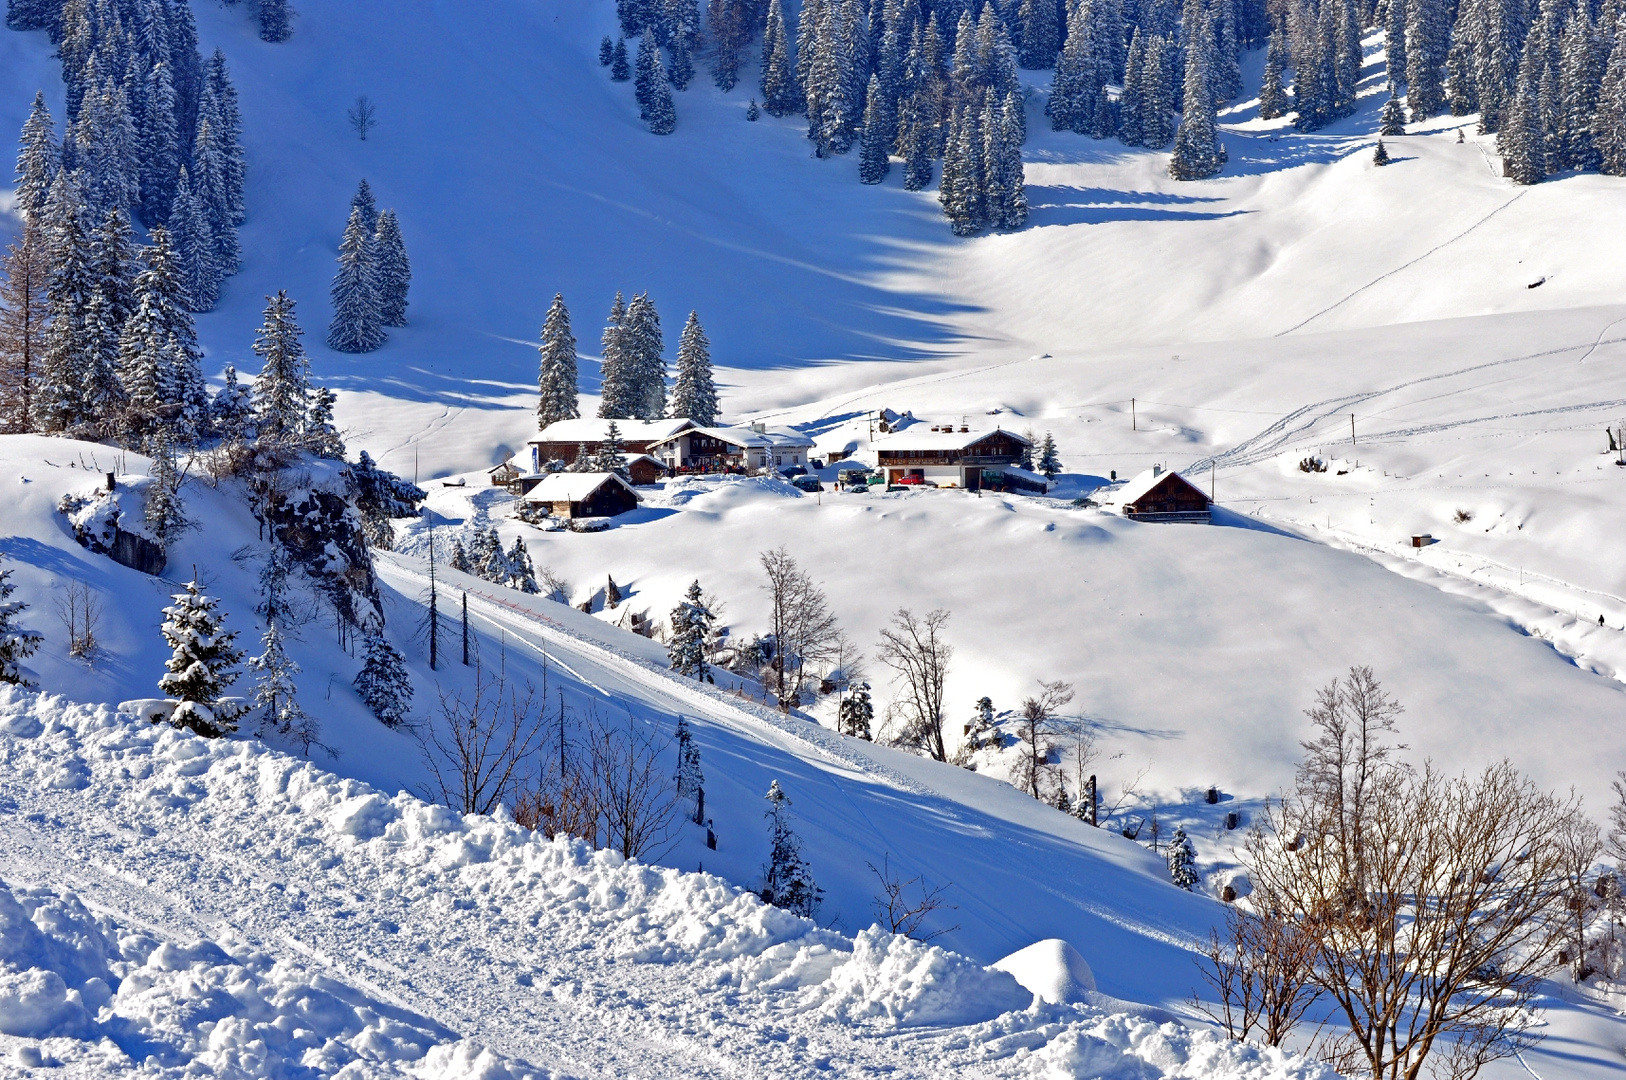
(465, 629)
(1352, 429)
(1211, 479)
(1094, 801)
(1134, 422)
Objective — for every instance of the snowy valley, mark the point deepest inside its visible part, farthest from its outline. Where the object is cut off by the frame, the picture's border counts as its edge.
(541, 771)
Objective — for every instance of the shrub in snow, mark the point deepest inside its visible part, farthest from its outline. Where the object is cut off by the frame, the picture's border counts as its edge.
(787, 881)
(202, 665)
(16, 643)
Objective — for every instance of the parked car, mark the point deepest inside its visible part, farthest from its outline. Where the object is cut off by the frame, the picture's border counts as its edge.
(857, 487)
(912, 481)
(807, 483)
(793, 470)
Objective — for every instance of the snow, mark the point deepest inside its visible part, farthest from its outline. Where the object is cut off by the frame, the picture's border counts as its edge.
(1051, 970)
(593, 430)
(570, 487)
(918, 437)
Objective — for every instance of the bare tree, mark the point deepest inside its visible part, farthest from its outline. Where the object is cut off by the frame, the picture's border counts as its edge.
(1261, 969)
(636, 799)
(1617, 823)
(919, 656)
(1036, 724)
(81, 613)
(1433, 922)
(479, 750)
(804, 632)
(361, 116)
(23, 312)
(903, 905)
(1579, 844)
(553, 586)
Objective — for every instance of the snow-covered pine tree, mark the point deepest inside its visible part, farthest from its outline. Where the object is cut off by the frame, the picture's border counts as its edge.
(1049, 462)
(460, 560)
(392, 270)
(383, 683)
(164, 512)
(619, 392)
(1197, 150)
(1132, 100)
(494, 564)
(964, 184)
(1040, 33)
(1273, 101)
(1428, 37)
(276, 695)
(113, 263)
(691, 629)
(610, 455)
(606, 51)
(481, 545)
(1182, 861)
(1580, 77)
(653, 92)
(1520, 136)
(17, 643)
(1498, 33)
(282, 388)
(159, 343)
(521, 575)
(915, 141)
(612, 593)
(106, 154)
(556, 374)
(201, 666)
(366, 204)
(1392, 120)
(873, 157)
(694, 395)
(37, 162)
(227, 125)
(787, 880)
(583, 461)
(276, 21)
(684, 22)
(727, 28)
(752, 113)
(620, 70)
(23, 309)
(1227, 50)
(980, 731)
(194, 247)
(856, 716)
(1380, 156)
(320, 435)
(211, 186)
(357, 325)
(642, 342)
(689, 778)
(232, 410)
(781, 93)
(1609, 122)
(1394, 41)
(1012, 211)
(63, 401)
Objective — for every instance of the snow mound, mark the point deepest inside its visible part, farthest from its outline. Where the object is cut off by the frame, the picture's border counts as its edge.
(1130, 1048)
(904, 983)
(1052, 970)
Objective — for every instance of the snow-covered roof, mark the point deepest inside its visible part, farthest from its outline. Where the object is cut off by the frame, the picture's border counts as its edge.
(748, 437)
(920, 437)
(1140, 485)
(593, 429)
(572, 486)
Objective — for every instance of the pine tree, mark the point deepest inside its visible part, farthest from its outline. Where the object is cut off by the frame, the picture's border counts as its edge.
(493, 564)
(1197, 150)
(694, 396)
(164, 512)
(653, 93)
(856, 716)
(16, 642)
(915, 143)
(194, 248)
(282, 388)
(481, 548)
(752, 113)
(364, 203)
(610, 457)
(689, 779)
(556, 375)
(787, 881)
(521, 575)
(1520, 136)
(320, 436)
(980, 731)
(1427, 41)
(383, 683)
(460, 560)
(201, 666)
(23, 309)
(380, 496)
(1609, 123)
(393, 270)
(1578, 95)
(1049, 462)
(276, 21)
(1041, 34)
(276, 696)
(642, 343)
(1156, 123)
(1499, 31)
(606, 51)
(357, 325)
(227, 126)
(1132, 101)
(1380, 156)
(1273, 101)
(159, 359)
(63, 401)
(873, 160)
(1182, 861)
(619, 394)
(726, 19)
(619, 69)
(211, 185)
(1459, 78)
(691, 631)
(37, 162)
(232, 409)
(113, 264)
(1392, 120)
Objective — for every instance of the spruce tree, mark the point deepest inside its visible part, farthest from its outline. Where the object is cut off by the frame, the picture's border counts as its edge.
(1273, 100)
(160, 142)
(364, 203)
(521, 575)
(787, 880)
(160, 340)
(1520, 136)
(691, 630)
(915, 142)
(37, 162)
(606, 51)
(232, 410)
(227, 127)
(113, 262)
(1380, 156)
(620, 71)
(1392, 120)
(1394, 41)
(610, 456)
(653, 93)
(1197, 150)
(1049, 462)
(63, 401)
(856, 716)
(393, 270)
(694, 395)
(781, 94)
(1427, 41)
(276, 21)
(752, 113)
(1459, 78)
(643, 344)
(1040, 33)
(1156, 123)
(164, 511)
(201, 666)
(17, 643)
(1132, 101)
(380, 496)
(1182, 861)
(383, 683)
(874, 160)
(194, 247)
(619, 394)
(320, 436)
(1578, 95)
(689, 779)
(357, 325)
(276, 696)
(282, 388)
(1609, 123)
(556, 375)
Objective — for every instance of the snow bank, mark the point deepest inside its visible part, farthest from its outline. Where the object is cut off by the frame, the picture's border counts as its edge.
(1052, 970)
(479, 944)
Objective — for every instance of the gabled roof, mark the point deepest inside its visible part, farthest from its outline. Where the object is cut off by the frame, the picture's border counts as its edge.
(593, 430)
(572, 486)
(748, 438)
(921, 437)
(1138, 487)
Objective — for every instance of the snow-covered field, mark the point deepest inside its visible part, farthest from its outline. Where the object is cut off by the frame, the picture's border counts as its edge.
(1232, 326)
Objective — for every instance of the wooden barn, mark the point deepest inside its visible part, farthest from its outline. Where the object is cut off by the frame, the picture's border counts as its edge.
(573, 495)
(1156, 495)
(643, 469)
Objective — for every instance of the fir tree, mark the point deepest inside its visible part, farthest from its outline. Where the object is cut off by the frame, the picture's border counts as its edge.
(611, 457)
(1157, 126)
(357, 325)
(380, 496)
(1520, 136)
(320, 436)
(619, 393)
(493, 561)
(1040, 33)
(232, 410)
(227, 126)
(164, 512)
(787, 881)
(620, 71)
(37, 162)
(1132, 101)
(1272, 96)
(728, 33)
(1394, 41)
(63, 400)
(752, 113)
(874, 161)
(1380, 156)
(392, 269)
(1392, 120)
(212, 187)
(1427, 39)
(1049, 463)
(694, 396)
(113, 264)
(689, 779)
(1197, 150)
(915, 144)
(17, 643)
(606, 51)
(1579, 86)
(276, 696)
(980, 731)
(1182, 861)
(857, 714)
(364, 203)
(1609, 123)
(159, 359)
(282, 388)
(691, 630)
(383, 683)
(460, 558)
(201, 666)
(521, 575)
(642, 342)
(556, 375)
(276, 21)
(194, 248)
(654, 93)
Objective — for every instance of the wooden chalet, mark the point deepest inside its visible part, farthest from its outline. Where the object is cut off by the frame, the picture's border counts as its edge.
(573, 495)
(1156, 495)
(643, 468)
(563, 440)
(504, 475)
(733, 449)
(950, 457)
